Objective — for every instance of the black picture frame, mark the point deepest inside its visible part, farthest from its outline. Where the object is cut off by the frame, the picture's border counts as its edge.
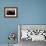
(10, 12)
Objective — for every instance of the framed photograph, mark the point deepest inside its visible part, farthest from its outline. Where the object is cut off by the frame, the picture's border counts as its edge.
(10, 12)
(33, 32)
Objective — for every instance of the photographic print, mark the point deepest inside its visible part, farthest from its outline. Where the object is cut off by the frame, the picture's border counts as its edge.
(32, 32)
(11, 12)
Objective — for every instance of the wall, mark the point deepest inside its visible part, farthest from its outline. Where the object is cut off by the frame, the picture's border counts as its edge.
(29, 12)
